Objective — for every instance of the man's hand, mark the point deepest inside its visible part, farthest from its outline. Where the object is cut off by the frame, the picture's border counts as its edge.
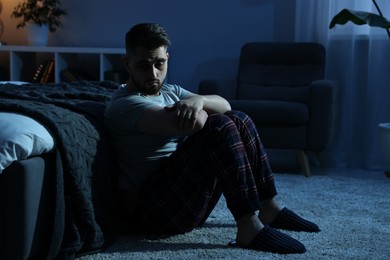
(187, 112)
(185, 117)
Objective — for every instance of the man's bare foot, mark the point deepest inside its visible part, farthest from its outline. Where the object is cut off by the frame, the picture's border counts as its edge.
(247, 229)
(270, 209)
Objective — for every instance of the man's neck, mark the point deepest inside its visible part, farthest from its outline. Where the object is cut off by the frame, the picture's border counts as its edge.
(132, 88)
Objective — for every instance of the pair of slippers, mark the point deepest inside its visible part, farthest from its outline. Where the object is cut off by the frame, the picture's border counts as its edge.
(271, 240)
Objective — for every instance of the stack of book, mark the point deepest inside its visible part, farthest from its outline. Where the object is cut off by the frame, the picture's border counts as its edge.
(44, 72)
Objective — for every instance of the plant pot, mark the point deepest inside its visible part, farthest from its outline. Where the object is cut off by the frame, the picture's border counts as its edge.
(384, 141)
(37, 35)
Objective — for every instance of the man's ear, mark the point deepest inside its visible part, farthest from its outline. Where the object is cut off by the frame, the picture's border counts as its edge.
(125, 62)
(167, 55)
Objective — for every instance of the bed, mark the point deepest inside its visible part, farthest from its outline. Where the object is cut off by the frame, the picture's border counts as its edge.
(57, 185)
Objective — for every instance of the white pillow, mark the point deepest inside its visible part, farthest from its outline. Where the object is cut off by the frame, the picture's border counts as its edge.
(14, 82)
(21, 137)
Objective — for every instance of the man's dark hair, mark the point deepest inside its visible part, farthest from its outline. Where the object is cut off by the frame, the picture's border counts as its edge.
(146, 35)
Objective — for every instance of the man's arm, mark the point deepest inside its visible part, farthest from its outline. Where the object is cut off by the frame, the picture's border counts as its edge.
(185, 117)
(212, 104)
(215, 104)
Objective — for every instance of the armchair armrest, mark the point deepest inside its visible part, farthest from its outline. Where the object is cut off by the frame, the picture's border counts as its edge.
(226, 88)
(323, 111)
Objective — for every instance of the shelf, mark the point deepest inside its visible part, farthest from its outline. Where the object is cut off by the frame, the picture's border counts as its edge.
(20, 62)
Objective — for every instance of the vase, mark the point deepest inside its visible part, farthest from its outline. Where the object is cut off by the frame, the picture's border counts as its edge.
(37, 34)
(384, 142)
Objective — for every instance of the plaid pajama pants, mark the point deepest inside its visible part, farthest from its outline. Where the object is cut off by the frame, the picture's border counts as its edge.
(225, 157)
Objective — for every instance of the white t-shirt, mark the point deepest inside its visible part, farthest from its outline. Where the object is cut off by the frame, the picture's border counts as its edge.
(138, 153)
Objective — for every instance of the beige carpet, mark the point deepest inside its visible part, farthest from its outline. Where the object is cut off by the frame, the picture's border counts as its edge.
(353, 214)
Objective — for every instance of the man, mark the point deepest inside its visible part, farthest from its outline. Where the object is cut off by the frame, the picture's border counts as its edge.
(179, 151)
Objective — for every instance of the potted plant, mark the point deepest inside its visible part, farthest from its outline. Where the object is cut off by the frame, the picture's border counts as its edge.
(38, 15)
(375, 20)
(362, 17)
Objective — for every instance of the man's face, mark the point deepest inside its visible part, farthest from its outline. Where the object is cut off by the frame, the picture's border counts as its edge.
(147, 69)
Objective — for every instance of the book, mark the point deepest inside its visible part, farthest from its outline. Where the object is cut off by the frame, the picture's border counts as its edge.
(48, 74)
(39, 72)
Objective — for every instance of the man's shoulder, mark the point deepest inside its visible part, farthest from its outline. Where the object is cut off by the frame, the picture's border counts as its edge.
(123, 92)
(169, 87)
(175, 89)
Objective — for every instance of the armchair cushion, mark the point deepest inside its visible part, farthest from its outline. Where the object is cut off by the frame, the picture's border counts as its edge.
(283, 113)
(280, 93)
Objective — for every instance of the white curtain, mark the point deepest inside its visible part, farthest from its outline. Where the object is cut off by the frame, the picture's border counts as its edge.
(358, 58)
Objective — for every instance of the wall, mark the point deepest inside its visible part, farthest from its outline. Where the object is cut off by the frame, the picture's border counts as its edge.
(206, 35)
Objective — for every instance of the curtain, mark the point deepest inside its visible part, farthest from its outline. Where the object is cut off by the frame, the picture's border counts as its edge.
(358, 58)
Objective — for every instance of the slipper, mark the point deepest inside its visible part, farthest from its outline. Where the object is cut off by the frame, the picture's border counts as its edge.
(288, 220)
(271, 240)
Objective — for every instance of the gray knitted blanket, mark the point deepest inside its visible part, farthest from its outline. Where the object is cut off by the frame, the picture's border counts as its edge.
(85, 170)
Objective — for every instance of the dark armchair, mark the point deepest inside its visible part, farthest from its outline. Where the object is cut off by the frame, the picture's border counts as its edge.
(282, 87)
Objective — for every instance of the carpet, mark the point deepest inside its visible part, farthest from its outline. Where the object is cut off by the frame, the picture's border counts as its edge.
(353, 214)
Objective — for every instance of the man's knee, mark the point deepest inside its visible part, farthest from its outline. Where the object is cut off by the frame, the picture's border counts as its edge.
(219, 121)
(237, 114)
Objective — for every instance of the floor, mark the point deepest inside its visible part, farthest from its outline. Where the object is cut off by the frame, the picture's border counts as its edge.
(349, 172)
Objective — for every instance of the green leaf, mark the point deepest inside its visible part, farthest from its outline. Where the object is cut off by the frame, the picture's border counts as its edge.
(359, 18)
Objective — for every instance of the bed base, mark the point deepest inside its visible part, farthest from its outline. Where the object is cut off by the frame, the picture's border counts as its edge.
(27, 208)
